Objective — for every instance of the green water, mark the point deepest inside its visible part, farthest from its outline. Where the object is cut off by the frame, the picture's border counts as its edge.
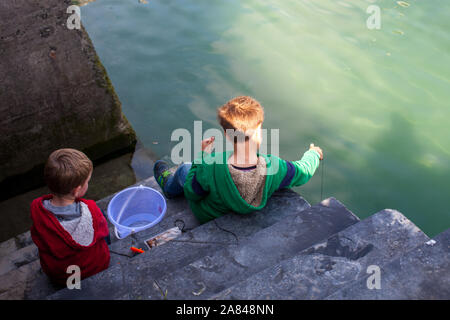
(376, 101)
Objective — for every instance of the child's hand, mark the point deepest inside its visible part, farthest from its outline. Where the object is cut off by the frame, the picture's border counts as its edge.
(312, 147)
(207, 144)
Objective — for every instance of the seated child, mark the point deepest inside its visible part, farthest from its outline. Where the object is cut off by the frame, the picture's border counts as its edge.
(66, 229)
(239, 180)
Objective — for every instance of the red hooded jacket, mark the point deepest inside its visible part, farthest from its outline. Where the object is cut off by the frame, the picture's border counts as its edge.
(58, 250)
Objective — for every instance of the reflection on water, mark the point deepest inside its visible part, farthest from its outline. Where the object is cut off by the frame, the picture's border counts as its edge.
(376, 101)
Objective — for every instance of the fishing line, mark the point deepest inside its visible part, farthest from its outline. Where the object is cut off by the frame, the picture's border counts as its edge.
(183, 229)
(205, 242)
(120, 254)
(321, 183)
(237, 239)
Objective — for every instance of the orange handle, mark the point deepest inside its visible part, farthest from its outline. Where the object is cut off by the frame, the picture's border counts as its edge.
(137, 250)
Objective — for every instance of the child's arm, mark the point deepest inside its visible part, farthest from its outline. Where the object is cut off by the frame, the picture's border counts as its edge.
(302, 170)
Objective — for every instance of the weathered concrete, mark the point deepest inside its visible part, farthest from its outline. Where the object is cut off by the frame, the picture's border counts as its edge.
(136, 277)
(221, 269)
(18, 258)
(281, 252)
(421, 273)
(328, 266)
(13, 285)
(13, 244)
(55, 93)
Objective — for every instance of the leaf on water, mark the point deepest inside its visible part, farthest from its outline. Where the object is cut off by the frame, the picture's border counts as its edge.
(403, 4)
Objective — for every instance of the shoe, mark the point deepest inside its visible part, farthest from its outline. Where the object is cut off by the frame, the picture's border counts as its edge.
(162, 173)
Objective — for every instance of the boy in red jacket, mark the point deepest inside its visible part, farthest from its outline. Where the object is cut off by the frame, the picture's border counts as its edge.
(66, 229)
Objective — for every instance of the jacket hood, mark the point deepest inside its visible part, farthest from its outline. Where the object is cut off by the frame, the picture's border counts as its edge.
(52, 235)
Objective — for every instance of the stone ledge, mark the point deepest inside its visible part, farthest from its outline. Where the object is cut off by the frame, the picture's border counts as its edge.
(421, 273)
(327, 266)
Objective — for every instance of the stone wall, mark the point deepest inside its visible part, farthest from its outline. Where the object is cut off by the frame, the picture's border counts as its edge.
(54, 93)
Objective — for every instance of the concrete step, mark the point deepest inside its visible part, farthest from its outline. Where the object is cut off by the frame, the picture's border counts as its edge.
(18, 242)
(13, 285)
(136, 277)
(18, 258)
(17, 252)
(327, 266)
(221, 269)
(421, 273)
(28, 282)
(120, 250)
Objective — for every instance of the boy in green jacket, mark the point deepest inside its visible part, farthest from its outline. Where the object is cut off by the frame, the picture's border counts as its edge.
(239, 180)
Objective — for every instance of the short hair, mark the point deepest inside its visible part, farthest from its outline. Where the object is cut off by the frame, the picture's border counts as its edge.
(66, 169)
(241, 114)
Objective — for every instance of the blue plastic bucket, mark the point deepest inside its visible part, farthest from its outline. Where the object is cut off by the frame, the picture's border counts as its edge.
(135, 209)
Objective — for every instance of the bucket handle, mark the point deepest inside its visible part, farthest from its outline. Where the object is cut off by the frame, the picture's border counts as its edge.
(116, 233)
(132, 231)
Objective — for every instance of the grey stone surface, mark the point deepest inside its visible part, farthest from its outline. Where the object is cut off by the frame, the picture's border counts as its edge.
(218, 270)
(55, 93)
(327, 266)
(421, 273)
(18, 258)
(120, 250)
(13, 285)
(136, 276)
(13, 244)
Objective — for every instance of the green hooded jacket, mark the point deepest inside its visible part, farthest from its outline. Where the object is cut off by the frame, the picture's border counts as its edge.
(212, 193)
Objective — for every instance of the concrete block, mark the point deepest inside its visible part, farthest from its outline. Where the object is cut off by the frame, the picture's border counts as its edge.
(421, 273)
(329, 265)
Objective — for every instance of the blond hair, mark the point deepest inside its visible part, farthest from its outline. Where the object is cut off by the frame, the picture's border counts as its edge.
(241, 114)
